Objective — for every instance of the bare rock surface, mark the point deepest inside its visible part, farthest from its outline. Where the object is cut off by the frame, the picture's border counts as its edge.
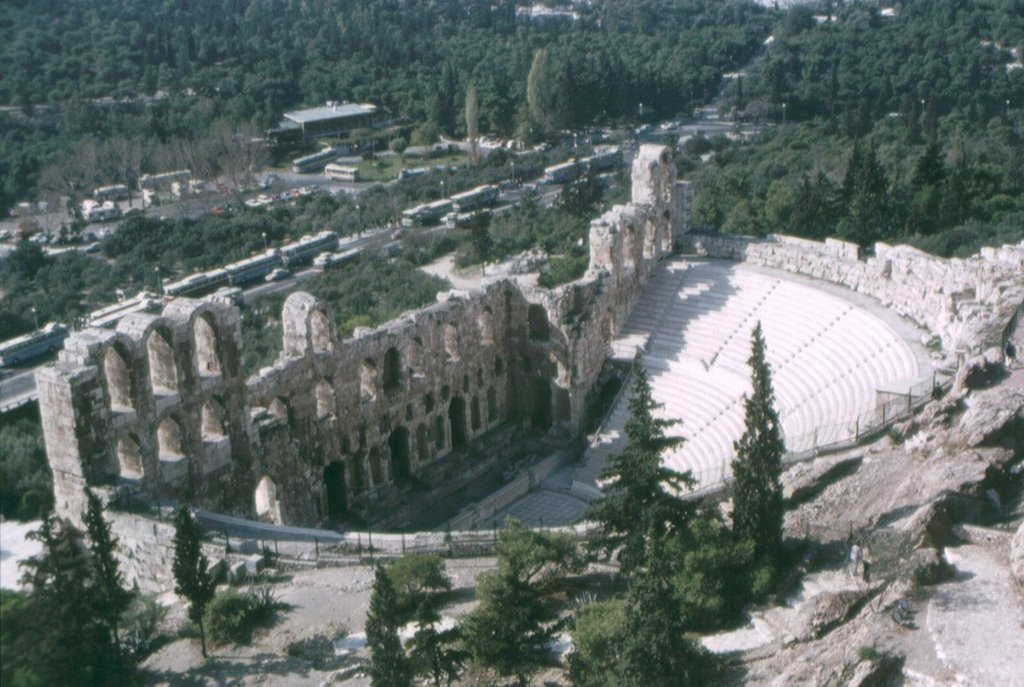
(1017, 556)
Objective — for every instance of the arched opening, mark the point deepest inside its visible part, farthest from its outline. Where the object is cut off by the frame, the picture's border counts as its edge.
(169, 439)
(428, 402)
(541, 414)
(163, 373)
(398, 443)
(214, 421)
(268, 508)
(207, 346)
(537, 317)
(422, 450)
(486, 323)
(392, 370)
(414, 356)
(499, 367)
(334, 486)
(474, 413)
(326, 406)
(320, 332)
(451, 341)
(129, 457)
(492, 405)
(457, 420)
(480, 376)
(119, 378)
(526, 363)
(376, 473)
(368, 380)
(439, 433)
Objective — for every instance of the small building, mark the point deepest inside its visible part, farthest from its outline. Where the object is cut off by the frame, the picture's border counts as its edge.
(332, 119)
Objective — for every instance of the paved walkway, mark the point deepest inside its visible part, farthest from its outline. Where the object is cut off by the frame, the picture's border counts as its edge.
(976, 621)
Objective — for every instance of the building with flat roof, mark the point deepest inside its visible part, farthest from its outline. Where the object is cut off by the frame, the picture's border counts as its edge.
(332, 119)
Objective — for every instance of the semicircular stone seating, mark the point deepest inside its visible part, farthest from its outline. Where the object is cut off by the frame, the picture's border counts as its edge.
(827, 355)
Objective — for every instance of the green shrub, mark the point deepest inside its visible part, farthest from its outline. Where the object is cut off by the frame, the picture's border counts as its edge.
(141, 624)
(232, 616)
(417, 577)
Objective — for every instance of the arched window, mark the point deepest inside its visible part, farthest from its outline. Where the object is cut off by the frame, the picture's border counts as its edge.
(368, 380)
(320, 332)
(398, 443)
(414, 356)
(207, 346)
(492, 405)
(486, 323)
(119, 378)
(215, 420)
(474, 408)
(170, 440)
(499, 367)
(538, 321)
(422, 450)
(451, 341)
(163, 372)
(392, 370)
(326, 406)
(457, 421)
(129, 457)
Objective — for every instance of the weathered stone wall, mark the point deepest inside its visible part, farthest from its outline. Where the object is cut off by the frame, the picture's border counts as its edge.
(967, 303)
(334, 426)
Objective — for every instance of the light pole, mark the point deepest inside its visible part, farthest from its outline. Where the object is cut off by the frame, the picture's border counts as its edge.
(159, 281)
(35, 316)
(443, 196)
(265, 246)
(359, 221)
(783, 114)
(1007, 109)
(513, 173)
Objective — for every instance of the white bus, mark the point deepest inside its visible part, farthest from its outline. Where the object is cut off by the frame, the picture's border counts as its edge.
(341, 172)
(308, 247)
(326, 261)
(475, 198)
(562, 173)
(251, 269)
(112, 314)
(428, 213)
(604, 160)
(99, 212)
(314, 162)
(46, 340)
(115, 192)
(194, 283)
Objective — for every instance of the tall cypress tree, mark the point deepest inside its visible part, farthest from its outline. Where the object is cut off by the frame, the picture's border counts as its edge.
(389, 666)
(641, 501)
(113, 599)
(757, 512)
(192, 578)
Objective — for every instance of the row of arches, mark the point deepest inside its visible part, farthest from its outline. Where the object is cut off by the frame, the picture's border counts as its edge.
(170, 439)
(164, 372)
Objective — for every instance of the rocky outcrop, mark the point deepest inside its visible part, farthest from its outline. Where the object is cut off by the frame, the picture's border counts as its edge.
(825, 611)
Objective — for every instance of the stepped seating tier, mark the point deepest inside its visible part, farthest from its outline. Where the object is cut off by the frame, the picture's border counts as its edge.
(827, 355)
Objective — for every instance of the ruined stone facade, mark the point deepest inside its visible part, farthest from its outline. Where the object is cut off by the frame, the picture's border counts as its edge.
(340, 426)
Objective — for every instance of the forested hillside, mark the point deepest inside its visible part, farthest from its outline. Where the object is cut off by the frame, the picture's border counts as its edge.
(185, 64)
(898, 126)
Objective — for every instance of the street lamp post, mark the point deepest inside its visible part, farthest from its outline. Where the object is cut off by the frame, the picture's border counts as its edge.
(783, 114)
(35, 316)
(359, 221)
(513, 173)
(443, 196)
(265, 246)
(159, 281)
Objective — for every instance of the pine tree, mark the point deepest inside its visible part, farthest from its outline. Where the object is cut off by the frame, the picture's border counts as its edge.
(389, 666)
(192, 578)
(71, 642)
(641, 497)
(433, 652)
(757, 512)
(113, 599)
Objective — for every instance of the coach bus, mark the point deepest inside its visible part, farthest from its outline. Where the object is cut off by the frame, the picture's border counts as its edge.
(562, 173)
(251, 269)
(197, 283)
(308, 247)
(115, 192)
(40, 342)
(112, 314)
(604, 160)
(325, 261)
(338, 172)
(428, 213)
(314, 162)
(475, 198)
